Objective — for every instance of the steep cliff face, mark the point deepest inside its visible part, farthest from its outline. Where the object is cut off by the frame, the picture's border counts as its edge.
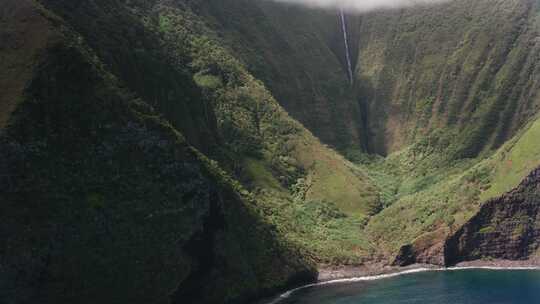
(303, 181)
(436, 69)
(507, 227)
(300, 55)
(444, 68)
(134, 53)
(147, 154)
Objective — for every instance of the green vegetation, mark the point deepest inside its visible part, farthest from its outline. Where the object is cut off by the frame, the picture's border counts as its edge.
(271, 153)
(487, 229)
(515, 160)
(329, 235)
(177, 151)
(280, 48)
(435, 192)
(442, 70)
(107, 201)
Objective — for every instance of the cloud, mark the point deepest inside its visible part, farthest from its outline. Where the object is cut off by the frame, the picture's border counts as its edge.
(361, 5)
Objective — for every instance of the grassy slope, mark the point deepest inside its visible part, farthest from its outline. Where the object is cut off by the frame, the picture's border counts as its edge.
(432, 187)
(514, 161)
(436, 194)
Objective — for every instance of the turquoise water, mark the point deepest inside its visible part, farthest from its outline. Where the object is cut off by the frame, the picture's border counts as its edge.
(438, 287)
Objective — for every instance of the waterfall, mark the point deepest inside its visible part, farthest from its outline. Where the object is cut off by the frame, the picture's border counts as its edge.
(346, 40)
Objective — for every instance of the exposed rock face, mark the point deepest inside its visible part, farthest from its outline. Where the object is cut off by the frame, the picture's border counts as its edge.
(507, 227)
(428, 249)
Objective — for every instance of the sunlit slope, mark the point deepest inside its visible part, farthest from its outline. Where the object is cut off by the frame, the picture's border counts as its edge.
(454, 192)
(514, 161)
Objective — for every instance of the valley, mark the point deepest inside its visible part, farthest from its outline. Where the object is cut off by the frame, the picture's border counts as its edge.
(178, 151)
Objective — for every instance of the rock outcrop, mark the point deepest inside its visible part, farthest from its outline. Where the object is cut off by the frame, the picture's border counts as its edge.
(428, 249)
(507, 227)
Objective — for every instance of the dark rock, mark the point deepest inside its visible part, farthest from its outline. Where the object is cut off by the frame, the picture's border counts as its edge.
(507, 227)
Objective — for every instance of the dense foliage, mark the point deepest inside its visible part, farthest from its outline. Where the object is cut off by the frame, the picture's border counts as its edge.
(175, 151)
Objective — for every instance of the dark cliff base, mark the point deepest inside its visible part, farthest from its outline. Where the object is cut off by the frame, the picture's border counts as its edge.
(506, 228)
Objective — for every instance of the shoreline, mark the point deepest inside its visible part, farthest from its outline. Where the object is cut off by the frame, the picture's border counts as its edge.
(329, 274)
(377, 271)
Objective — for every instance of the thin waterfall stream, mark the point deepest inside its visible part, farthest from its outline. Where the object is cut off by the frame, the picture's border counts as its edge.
(346, 40)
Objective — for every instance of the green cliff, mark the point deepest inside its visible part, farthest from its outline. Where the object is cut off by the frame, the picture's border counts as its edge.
(189, 151)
